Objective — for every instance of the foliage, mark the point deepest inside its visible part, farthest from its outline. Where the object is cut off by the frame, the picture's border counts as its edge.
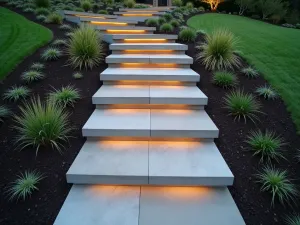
(267, 145)
(277, 183)
(25, 184)
(292, 17)
(59, 42)
(54, 18)
(287, 25)
(269, 7)
(102, 11)
(266, 91)
(65, 27)
(187, 35)
(42, 11)
(51, 54)
(250, 72)
(177, 3)
(86, 5)
(28, 10)
(174, 23)
(66, 96)
(242, 105)
(78, 9)
(37, 66)
(292, 220)
(189, 5)
(77, 75)
(166, 27)
(4, 112)
(16, 92)
(152, 22)
(42, 125)
(243, 5)
(224, 79)
(42, 3)
(213, 3)
(201, 9)
(168, 17)
(129, 3)
(41, 18)
(161, 20)
(85, 48)
(219, 50)
(32, 75)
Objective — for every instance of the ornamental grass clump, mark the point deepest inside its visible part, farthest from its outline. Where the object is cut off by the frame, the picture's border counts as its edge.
(25, 184)
(42, 124)
(277, 183)
(86, 5)
(267, 145)
(267, 92)
(292, 220)
(16, 92)
(4, 112)
(59, 42)
(249, 72)
(168, 17)
(129, 3)
(54, 18)
(77, 75)
(51, 54)
(187, 35)
(224, 79)
(65, 27)
(242, 105)
(66, 96)
(32, 75)
(152, 22)
(166, 27)
(218, 51)
(85, 49)
(37, 66)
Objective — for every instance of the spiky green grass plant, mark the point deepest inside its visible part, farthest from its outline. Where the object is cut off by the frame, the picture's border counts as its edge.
(174, 23)
(168, 17)
(37, 66)
(4, 112)
(59, 42)
(152, 22)
(166, 27)
(25, 184)
(42, 124)
(42, 18)
(267, 145)
(250, 72)
(242, 105)
(32, 75)
(266, 91)
(42, 11)
(161, 20)
(277, 183)
(51, 54)
(224, 79)
(16, 92)
(66, 96)
(187, 35)
(218, 51)
(65, 27)
(77, 75)
(54, 18)
(85, 49)
(292, 220)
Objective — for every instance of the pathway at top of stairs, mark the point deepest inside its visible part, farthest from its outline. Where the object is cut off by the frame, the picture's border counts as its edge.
(149, 158)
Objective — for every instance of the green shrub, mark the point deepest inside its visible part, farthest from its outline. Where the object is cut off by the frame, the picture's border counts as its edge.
(187, 35)
(177, 3)
(25, 184)
(4, 112)
(41, 18)
(292, 220)
(102, 11)
(15, 93)
(42, 11)
(29, 5)
(189, 5)
(54, 18)
(201, 9)
(174, 23)
(65, 27)
(86, 5)
(78, 9)
(266, 91)
(85, 48)
(266, 145)
(161, 20)
(250, 72)
(219, 51)
(224, 79)
(129, 3)
(152, 22)
(51, 54)
(28, 10)
(141, 6)
(32, 75)
(37, 66)
(276, 182)
(77, 75)
(59, 42)
(200, 31)
(168, 17)
(166, 27)
(42, 3)
(242, 105)
(64, 97)
(42, 125)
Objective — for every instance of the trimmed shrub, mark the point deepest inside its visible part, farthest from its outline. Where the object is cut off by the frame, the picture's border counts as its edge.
(42, 3)
(177, 3)
(51, 54)
(64, 97)
(86, 5)
(166, 27)
(85, 49)
(16, 92)
(219, 51)
(266, 91)
(42, 11)
(224, 79)
(129, 3)
(187, 35)
(102, 11)
(168, 17)
(174, 23)
(152, 22)
(161, 20)
(42, 125)
(54, 18)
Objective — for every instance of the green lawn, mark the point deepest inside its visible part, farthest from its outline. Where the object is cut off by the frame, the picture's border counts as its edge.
(19, 38)
(273, 50)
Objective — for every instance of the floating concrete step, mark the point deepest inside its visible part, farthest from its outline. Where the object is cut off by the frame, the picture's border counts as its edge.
(150, 46)
(150, 163)
(135, 205)
(149, 59)
(146, 94)
(144, 38)
(120, 22)
(139, 13)
(85, 14)
(139, 18)
(157, 9)
(150, 74)
(107, 27)
(150, 123)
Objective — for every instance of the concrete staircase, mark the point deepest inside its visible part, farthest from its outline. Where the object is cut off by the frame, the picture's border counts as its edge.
(149, 158)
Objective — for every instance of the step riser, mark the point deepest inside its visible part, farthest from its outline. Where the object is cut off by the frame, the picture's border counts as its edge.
(141, 41)
(148, 106)
(149, 52)
(147, 65)
(110, 32)
(138, 18)
(147, 82)
(123, 28)
(184, 61)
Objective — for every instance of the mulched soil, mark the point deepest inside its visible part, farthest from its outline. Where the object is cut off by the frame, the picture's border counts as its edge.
(44, 205)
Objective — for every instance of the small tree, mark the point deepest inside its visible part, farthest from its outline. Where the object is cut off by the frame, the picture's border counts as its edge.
(270, 7)
(213, 3)
(243, 5)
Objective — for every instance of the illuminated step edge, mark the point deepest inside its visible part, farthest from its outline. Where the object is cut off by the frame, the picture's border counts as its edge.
(159, 9)
(135, 205)
(123, 28)
(86, 14)
(149, 46)
(150, 163)
(138, 13)
(144, 36)
(87, 19)
(150, 123)
(145, 94)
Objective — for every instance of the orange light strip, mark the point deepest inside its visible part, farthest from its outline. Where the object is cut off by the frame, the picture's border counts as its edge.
(147, 65)
(125, 31)
(153, 11)
(137, 14)
(95, 17)
(148, 51)
(145, 40)
(109, 23)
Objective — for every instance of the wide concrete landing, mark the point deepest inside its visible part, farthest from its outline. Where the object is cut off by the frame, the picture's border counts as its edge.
(115, 205)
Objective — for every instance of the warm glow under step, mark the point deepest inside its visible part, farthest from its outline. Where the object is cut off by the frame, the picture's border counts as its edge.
(143, 38)
(149, 46)
(150, 163)
(136, 205)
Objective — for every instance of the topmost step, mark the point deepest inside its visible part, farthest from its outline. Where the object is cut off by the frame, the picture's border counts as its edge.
(65, 13)
(156, 9)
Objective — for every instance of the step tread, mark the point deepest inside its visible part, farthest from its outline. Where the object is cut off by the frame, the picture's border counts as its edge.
(68, 12)
(137, 13)
(146, 94)
(87, 19)
(107, 27)
(151, 46)
(138, 205)
(141, 36)
(139, 123)
(150, 162)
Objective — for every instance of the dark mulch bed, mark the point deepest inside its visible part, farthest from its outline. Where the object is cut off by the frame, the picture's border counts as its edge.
(43, 206)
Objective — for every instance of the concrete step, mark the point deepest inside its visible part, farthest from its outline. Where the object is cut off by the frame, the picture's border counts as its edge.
(150, 163)
(139, 18)
(150, 74)
(143, 38)
(149, 46)
(140, 205)
(108, 27)
(155, 9)
(149, 59)
(149, 95)
(150, 123)
(139, 13)
(86, 15)
(99, 20)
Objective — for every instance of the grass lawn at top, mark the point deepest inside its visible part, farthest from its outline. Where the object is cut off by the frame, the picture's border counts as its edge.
(272, 50)
(19, 38)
